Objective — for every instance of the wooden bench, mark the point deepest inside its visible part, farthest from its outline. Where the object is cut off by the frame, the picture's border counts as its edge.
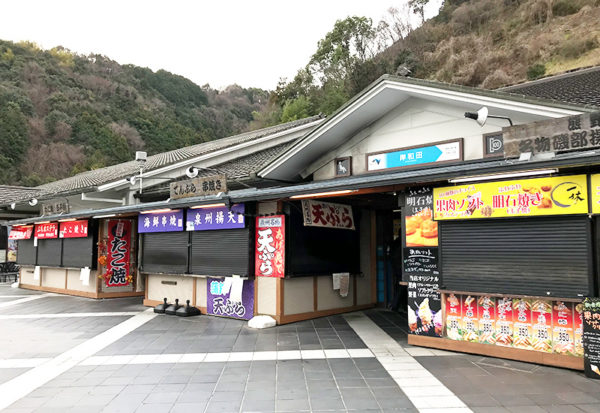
(8, 271)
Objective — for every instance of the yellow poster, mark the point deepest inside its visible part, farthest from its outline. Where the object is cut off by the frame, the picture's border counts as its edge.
(560, 195)
(595, 193)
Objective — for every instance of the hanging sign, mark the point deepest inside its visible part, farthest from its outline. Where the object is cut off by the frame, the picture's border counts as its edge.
(23, 232)
(449, 151)
(168, 221)
(119, 247)
(270, 246)
(203, 219)
(46, 231)
(327, 214)
(55, 208)
(73, 229)
(560, 195)
(591, 337)
(201, 186)
(218, 299)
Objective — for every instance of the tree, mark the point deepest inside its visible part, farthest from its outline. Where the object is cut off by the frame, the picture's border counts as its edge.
(418, 7)
(13, 139)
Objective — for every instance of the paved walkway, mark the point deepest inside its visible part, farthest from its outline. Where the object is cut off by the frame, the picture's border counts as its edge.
(72, 354)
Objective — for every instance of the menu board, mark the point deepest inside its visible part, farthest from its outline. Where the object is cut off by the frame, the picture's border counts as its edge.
(591, 337)
(470, 320)
(486, 312)
(562, 337)
(541, 316)
(522, 334)
(504, 323)
(453, 317)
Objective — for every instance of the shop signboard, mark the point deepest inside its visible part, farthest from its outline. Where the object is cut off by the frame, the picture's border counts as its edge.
(161, 221)
(504, 322)
(119, 248)
(20, 232)
(560, 195)
(579, 132)
(448, 151)
(591, 337)
(201, 186)
(541, 317)
(424, 305)
(270, 246)
(204, 219)
(327, 214)
(522, 336)
(453, 317)
(55, 208)
(595, 193)
(46, 231)
(486, 313)
(219, 301)
(562, 332)
(421, 230)
(73, 229)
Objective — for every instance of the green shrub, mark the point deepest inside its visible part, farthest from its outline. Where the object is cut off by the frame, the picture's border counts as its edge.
(536, 71)
(576, 47)
(565, 7)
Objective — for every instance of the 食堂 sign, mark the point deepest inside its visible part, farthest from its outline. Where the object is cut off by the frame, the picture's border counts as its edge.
(210, 185)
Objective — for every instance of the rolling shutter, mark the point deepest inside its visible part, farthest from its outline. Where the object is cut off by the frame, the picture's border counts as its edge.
(221, 253)
(49, 252)
(78, 252)
(529, 256)
(26, 252)
(165, 252)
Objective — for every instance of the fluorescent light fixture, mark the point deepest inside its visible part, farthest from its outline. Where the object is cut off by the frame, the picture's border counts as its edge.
(104, 216)
(67, 220)
(320, 194)
(220, 204)
(158, 211)
(507, 175)
(42, 222)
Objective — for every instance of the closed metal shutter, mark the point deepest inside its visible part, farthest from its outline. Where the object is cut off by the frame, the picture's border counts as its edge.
(165, 252)
(221, 253)
(49, 252)
(78, 252)
(26, 252)
(528, 256)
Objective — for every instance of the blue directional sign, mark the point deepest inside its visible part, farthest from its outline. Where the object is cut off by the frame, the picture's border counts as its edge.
(402, 158)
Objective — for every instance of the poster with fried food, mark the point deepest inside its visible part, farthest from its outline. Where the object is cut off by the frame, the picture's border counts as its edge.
(454, 328)
(578, 331)
(421, 230)
(541, 315)
(470, 320)
(486, 312)
(522, 332)
(504, 322)
(562, 331)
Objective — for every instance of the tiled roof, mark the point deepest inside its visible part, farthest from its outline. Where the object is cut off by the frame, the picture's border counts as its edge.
(8, 193)
(581, 87)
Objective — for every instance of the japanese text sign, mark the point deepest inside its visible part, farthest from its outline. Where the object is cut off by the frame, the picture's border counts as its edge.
(595, 193)
(420, 155)
(55, 208)
(420, 229)
(591, 337)
(23, 232)
(219, 303)
(327, 214)
(73, 229)
(210, 185)
(579, 132)
(161, 221)
(562, 333)
(46, 231)
(559, 195)
(119, 247)
(270, 246)
(203, 219)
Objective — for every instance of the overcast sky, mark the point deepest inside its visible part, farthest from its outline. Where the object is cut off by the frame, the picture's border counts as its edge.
(220, 42)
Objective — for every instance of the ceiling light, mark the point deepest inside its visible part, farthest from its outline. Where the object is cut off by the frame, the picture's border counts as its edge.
(104, 216)
(507, 175)
(220, 204)
(321, 194)
(67, 220)
(42, 222)
(156, 211)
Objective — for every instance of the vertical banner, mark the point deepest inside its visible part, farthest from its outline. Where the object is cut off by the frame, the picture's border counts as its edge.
(504, 322)
(591, 337)
(119, 247)
(470, 320)
(270, 246)
(218, 299)
(578, 329)
(523, 327)
(486, 311)
(541, 316)
(562, 333)
(453, 317)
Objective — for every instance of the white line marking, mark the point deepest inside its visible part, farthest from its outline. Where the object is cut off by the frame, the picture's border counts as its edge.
(20, 386)
(22, 363)
(24, 300)
(431, 394)
(68, 315)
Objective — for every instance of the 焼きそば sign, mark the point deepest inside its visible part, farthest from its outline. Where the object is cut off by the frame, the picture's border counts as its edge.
(203, 219)
(46, 231)
(419, 155)
(270, 246)
(18, 233)
(559, 195)
(327, 214)
(161, 221)
(218, 300)
(119, 247)
(73, 229)
(209, 185)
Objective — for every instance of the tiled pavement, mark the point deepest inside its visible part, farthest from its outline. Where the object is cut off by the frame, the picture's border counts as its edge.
(338, 363)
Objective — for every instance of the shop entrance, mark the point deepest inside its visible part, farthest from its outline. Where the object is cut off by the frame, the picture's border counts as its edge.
(389, 257)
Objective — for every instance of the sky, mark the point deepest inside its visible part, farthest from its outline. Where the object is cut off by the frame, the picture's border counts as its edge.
(250, 43)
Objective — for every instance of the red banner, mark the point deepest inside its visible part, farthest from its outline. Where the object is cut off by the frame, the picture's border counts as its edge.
(270, 246)
(119, 247)
(20, 232)
(73, 229)
(46, 231)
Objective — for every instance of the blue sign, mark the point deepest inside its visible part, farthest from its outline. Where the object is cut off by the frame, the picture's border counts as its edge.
(161, 221)
(450, 151)
(203, 219)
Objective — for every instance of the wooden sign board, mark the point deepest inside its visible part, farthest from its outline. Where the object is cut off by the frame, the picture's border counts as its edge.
(201, 186)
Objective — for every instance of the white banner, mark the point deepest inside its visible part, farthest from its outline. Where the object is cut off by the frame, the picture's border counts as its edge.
(327, 214)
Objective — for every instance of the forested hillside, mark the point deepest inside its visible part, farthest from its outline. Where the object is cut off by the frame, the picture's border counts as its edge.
(62, 113)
